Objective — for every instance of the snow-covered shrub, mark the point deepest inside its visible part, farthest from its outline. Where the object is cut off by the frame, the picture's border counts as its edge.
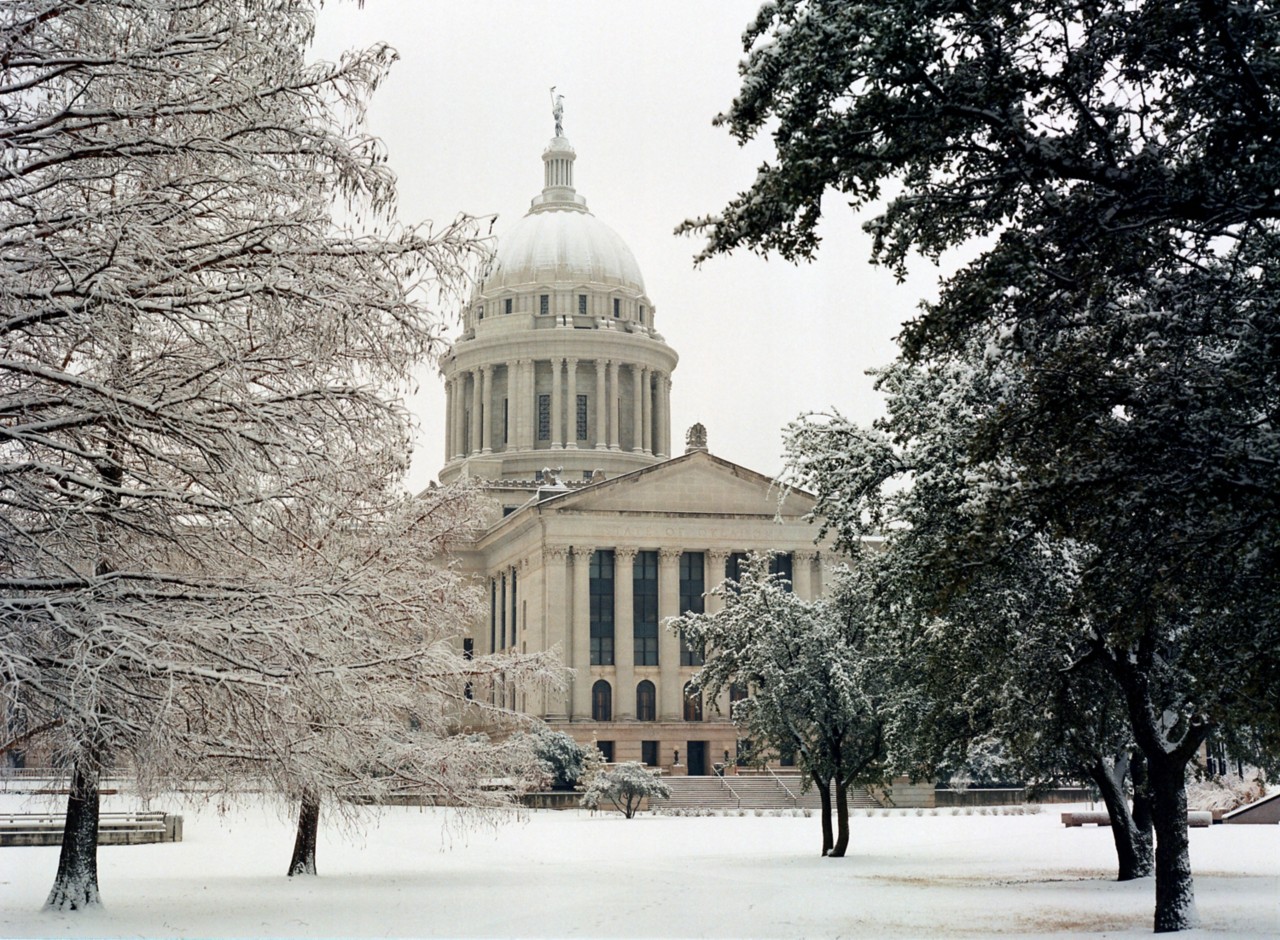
(564, 758)
(626, 787)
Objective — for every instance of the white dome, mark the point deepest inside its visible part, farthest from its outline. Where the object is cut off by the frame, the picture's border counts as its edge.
(562, 246)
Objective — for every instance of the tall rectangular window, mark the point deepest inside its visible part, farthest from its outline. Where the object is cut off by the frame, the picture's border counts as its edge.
(468, 652)
(582, 417)
(582, 305)
(617, 308)
(506, 305)
(600, 580)
(735, 565)
(544, 304)
(506, 421)
(649, 753)
(544, 417)
(692, 585)
(780, 564)
(644, 606)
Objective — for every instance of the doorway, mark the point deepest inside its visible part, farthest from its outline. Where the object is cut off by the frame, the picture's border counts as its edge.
(697, 758)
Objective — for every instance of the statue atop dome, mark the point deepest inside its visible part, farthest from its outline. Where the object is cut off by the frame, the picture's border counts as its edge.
(557, 111)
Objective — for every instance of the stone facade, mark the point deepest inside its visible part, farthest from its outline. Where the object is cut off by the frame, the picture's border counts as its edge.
(685, 522)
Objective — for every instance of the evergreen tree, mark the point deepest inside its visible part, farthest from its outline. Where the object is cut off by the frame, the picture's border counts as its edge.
(1113, 165)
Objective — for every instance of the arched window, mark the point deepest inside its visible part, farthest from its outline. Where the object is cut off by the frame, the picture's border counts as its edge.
(692, 704)
(601, 701)
(646, 701)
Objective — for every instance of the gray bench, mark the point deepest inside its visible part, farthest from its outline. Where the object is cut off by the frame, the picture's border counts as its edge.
(1195, 818)
(113, 828)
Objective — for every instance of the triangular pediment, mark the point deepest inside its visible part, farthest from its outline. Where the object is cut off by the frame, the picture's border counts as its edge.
(695, 483)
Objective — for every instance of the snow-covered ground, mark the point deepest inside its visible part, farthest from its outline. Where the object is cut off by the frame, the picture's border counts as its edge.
(573, 874)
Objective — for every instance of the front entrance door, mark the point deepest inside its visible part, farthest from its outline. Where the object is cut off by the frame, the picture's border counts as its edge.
(697, 758)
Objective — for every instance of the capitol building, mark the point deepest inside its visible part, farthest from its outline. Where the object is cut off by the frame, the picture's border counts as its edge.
(558, 403)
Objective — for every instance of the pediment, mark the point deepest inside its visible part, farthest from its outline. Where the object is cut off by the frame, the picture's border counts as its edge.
(696, 483)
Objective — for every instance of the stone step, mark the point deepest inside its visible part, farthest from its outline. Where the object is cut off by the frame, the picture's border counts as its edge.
(753, 792)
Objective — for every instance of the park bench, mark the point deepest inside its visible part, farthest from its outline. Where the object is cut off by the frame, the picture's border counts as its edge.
(1195, 818)
(113, 828)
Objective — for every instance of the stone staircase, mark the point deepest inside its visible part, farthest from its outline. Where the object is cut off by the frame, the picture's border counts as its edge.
(751, 791)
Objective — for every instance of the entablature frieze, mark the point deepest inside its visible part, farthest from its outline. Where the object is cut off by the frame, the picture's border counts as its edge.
(584, 345)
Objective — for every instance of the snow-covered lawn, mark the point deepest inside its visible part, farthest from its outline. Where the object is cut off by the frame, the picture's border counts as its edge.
(573, 874)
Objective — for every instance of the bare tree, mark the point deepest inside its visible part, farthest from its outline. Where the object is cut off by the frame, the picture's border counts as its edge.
(193, 358)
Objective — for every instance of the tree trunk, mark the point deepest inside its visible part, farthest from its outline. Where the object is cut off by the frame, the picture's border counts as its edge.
(75, 886)
(1133, 845)
(824, 793)
(304, 846)
(1141, 793)
(1175, 889)
(842, 820)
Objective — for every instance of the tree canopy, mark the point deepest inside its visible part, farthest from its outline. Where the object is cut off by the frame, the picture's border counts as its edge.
(206, 556)
(1112, 165)
(807, 672)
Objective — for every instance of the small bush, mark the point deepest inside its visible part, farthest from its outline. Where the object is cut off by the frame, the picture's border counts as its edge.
(625, 786)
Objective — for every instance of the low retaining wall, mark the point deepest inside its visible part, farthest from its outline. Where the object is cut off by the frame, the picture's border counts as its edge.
(554, 799)
(1010, 797)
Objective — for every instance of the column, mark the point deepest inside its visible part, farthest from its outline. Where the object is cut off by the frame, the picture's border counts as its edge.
(615, 403)
(637, 411)
(486, 411)
(670, 707)
(580, 660)
(476, 388)
(571, 433)
(459, 415)
(802, 574)
(448, 420)
(662, 446)
(602, 409)
(525, 408)
(713, 574)
(624, 644)
(555, 612)
(557, 439)
(505, 639)
(646, 383)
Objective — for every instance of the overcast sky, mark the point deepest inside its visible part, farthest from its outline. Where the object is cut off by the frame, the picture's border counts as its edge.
(466, 114)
